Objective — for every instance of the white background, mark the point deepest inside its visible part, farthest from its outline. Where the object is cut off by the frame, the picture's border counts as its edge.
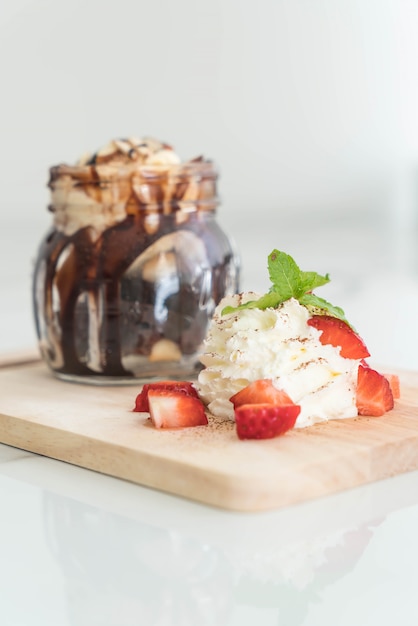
(309, 107)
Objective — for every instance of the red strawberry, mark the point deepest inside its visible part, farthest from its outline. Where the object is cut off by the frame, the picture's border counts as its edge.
(260, 392)
(141, 402)
(374, 396)
(393, 380)
(265, 421)
(338, 333)
(175, 409)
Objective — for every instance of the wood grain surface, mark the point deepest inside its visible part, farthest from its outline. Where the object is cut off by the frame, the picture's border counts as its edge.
(95, 428)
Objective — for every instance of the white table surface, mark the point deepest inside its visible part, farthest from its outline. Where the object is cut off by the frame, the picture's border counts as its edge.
(79, 548)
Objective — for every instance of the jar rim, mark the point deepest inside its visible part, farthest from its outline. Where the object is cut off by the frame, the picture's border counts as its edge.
(185, 187)
(106, 173)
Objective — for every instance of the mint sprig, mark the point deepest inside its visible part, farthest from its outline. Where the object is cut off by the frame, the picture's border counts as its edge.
(289, 281)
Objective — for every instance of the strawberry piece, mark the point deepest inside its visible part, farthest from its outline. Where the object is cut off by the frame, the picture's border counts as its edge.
(183, 386)
(260, 392)
(175, 409)
(374, 396)
(339, 334)
(393, 380)
(265, 421)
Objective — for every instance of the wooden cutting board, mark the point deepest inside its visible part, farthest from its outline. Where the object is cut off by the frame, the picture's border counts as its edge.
(95, 428)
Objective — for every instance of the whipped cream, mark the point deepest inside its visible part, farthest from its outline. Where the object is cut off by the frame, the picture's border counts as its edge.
(276, 344)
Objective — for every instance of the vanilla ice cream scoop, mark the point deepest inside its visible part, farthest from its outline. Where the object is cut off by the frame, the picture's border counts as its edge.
(278, 344)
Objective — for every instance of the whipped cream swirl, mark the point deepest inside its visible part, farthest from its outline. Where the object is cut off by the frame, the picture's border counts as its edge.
(276, 344)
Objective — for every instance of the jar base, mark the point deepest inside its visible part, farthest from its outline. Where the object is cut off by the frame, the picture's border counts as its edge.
(168, 371)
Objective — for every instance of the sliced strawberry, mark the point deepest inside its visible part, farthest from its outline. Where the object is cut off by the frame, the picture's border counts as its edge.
(338, 333)
(265, 421)
(175, 409)
(183, 386)
(393, 380)
(374, 396)
(260, 392)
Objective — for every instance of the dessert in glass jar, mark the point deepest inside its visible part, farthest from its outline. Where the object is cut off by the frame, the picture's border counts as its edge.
(128, 278)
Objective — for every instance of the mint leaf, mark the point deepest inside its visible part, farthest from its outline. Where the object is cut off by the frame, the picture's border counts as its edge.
(319, 306)
(284, 274)
(269, 300)
(289, 281)
(312, 280)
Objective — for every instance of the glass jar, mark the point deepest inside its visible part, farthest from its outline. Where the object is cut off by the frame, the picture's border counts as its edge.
(127, 280)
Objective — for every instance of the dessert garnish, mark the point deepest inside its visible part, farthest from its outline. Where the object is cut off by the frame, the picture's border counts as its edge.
(173, 409)
(265, 421)
(273, 362)
(296, 342)
(171, 404)
(184, 387)
(262, 411)
(374, 394)
(289, 281)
